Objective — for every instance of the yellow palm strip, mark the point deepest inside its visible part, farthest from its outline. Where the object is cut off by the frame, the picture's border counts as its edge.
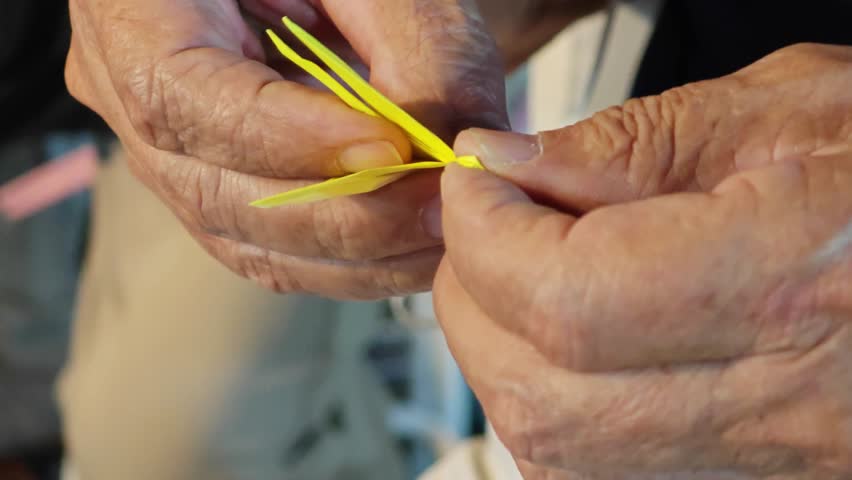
(353, 184)
(317, 72)
(375, 104)
(422, 138)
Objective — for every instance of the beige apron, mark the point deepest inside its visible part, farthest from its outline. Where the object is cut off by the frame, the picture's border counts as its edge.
(180, 370)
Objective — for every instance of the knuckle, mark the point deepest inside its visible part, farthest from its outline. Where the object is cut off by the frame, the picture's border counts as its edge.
(259, 270)
(799, 49)
(261, 267)
(649, 140)
(628, 136)
(361, 288)
(73, 80)
(141, 99)
(72, 70)
(213, 207)
(570, 347)
(408, 281)
(628, 430)
(537, 435)
(649, 122)
(155, 102)
(381, 280)
(199, 191)
(812, 59)
(343, 232)
(748, 188)
(516, 424)
(606, 131)
(210, 193)
(560, 336)
(607, 433)
(682, 131)
(628, 418)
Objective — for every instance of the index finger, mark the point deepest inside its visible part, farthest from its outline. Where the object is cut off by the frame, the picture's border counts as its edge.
(188, 87)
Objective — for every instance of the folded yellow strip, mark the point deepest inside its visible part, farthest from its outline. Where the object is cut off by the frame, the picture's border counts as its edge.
(371, 102)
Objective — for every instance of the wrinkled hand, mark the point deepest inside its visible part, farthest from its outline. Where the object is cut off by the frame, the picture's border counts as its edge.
(692, 316)
(210, 127)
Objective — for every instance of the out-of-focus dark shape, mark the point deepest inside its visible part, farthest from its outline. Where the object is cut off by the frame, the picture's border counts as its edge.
(34, 38)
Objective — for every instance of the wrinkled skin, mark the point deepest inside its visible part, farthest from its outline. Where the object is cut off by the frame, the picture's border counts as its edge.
(209, 126)
(682, 308)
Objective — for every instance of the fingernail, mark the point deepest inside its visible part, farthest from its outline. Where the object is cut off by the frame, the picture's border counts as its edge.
(498, 150)
(369, 155)
(430, 218)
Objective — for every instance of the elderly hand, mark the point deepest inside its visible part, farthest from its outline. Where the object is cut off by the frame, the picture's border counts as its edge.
(685, 310)
(209, 127)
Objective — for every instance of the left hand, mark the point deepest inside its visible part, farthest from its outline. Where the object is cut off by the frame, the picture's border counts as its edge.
(209, 126)
(696, 322)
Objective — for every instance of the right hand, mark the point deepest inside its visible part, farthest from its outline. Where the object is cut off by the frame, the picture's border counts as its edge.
(210, 127)
(683, 312)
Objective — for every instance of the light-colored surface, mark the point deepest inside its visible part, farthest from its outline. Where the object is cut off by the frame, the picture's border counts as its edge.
(559, 74)
(560, 92)
(180, 370)
(477, 459)
(632, 26)
(463, 462)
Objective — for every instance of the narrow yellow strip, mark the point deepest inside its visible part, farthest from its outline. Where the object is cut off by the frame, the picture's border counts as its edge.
(379, 105)
(317, 72)
(361, 182)
(420, 136)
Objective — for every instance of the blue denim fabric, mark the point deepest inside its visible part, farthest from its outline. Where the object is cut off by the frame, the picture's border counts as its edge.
(40, 258)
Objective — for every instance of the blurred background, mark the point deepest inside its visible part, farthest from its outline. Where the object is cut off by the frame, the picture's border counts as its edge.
(159, 375)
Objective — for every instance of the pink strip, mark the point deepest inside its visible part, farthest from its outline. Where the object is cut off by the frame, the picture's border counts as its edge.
(49, 184)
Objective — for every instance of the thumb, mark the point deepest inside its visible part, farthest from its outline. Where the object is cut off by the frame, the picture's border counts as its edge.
(433, 57)
(646, 147)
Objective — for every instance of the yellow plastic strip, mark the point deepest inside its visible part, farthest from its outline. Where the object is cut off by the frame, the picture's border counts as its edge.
(375, 178)
(470, 161)
(317, 72)
(421, 136)
(362, 182)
